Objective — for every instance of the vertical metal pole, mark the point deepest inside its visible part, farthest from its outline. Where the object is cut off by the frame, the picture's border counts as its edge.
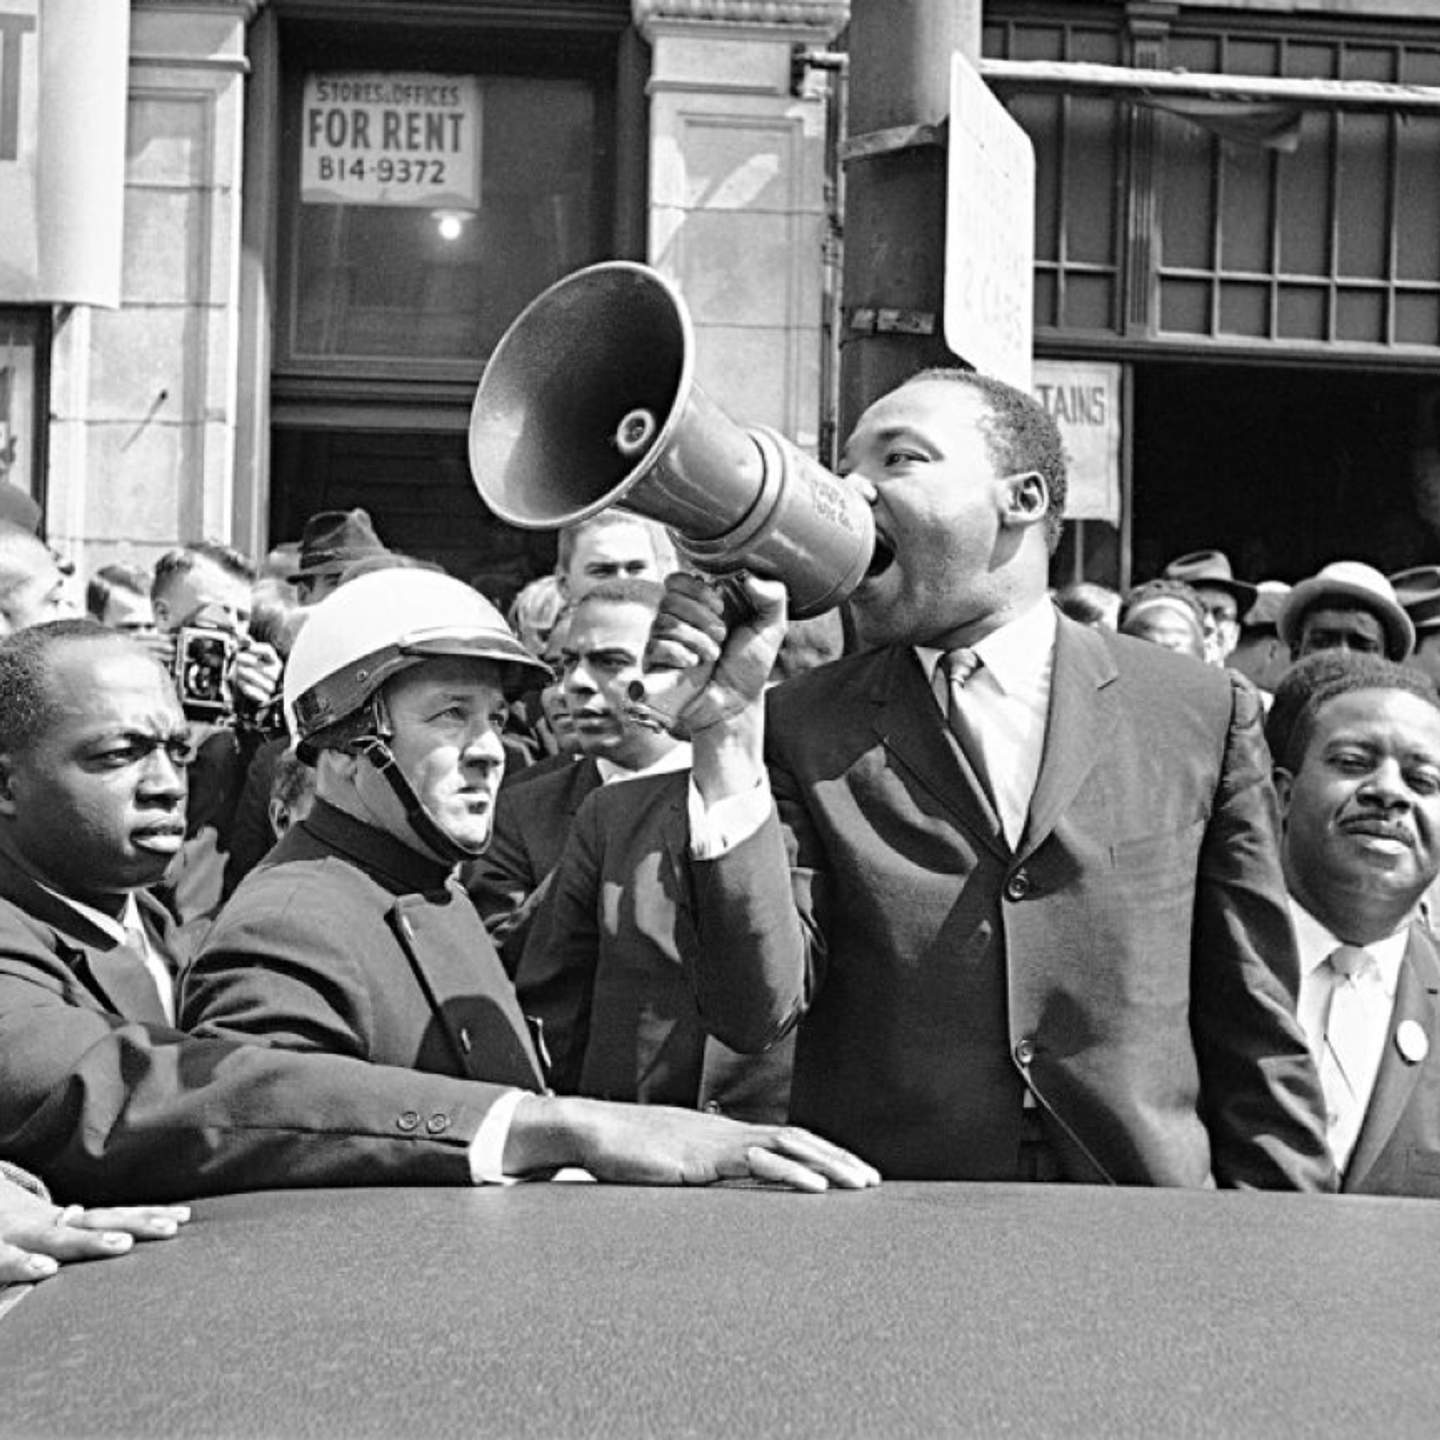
(895, 202)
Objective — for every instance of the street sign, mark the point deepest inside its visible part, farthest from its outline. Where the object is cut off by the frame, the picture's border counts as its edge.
(989, 232)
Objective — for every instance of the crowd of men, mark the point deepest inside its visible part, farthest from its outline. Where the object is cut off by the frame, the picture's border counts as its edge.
(337, 877)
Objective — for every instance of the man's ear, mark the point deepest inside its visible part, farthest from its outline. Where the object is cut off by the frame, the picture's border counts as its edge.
(1027, 498)
(161, 612)
(1284, 786)
(7, 796)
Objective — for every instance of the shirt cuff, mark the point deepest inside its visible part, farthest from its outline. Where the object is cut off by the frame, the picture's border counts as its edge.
(728, 822)
(487, 1149)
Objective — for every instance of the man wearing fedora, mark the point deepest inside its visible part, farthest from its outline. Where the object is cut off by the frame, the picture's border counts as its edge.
(331, 542)
(1226, 599)
(1347, 605)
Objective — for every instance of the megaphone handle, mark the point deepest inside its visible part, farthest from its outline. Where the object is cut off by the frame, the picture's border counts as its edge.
(657, 699)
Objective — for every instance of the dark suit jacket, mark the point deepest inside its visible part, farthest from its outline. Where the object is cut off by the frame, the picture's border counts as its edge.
(532, 823)
(603, 972)
(1132, 964)
(345, 940)
(1398, 1149)
(109, 1104)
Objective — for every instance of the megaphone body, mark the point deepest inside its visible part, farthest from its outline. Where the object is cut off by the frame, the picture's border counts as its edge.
(590, 400)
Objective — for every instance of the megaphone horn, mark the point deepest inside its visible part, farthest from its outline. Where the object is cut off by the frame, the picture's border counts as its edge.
(589, 400)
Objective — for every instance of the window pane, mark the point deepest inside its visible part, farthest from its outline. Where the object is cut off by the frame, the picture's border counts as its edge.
(21, 364)
(381, 281)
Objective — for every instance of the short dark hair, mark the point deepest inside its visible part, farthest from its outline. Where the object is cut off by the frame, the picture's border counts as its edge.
(134, 579)
(1311, 683)
(27, 708)
(1088, 603)
(293, 780)
(183, 559)
(1021, 435)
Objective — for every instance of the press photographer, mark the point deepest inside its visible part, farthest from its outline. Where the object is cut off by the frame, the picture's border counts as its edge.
(228, 684)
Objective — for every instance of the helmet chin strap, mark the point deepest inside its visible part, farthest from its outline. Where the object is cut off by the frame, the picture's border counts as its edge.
(376, 749)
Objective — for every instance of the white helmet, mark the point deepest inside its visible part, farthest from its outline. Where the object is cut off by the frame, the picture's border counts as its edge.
(379, 624)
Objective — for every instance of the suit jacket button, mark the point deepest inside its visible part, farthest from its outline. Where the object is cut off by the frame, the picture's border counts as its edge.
(408, 1121)
(437, 1124)
(1025, 1052)
(1017, 887)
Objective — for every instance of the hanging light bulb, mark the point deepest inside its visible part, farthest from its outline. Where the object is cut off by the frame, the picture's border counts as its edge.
(451, 223)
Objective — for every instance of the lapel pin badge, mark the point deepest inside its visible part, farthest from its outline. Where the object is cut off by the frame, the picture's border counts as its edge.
(1412, 1041)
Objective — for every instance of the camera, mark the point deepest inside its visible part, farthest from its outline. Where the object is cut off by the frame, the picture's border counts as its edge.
(204, 658)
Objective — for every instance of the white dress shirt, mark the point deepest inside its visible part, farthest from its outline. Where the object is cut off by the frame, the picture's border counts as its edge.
(1011, 704)
(676, 758)
(1316, 944)
(1006, 703)
(128, 930)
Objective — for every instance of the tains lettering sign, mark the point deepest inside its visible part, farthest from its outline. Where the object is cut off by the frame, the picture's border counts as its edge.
(391, 139)
(1083, 398)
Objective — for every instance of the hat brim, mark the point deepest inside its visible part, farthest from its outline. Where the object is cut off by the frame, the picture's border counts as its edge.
(337, 565)
(1243, 593)
(1308, 594)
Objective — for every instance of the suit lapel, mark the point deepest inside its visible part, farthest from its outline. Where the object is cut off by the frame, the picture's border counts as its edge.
(1083, 704)
(114, 974)
(1417, 997)
(909, 724)
(585, 777)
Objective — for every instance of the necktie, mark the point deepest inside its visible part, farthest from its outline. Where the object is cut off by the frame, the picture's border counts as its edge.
(128, 980)
(1347, 1059)
(959, 665)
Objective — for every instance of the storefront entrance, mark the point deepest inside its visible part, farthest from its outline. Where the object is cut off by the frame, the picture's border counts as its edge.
(1284, 469)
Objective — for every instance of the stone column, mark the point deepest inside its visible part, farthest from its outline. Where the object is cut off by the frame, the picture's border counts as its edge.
(143, 398)
(737, 196)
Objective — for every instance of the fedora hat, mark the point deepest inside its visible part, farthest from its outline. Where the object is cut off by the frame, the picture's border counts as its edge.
(1212, 568)
(1349, 584)
(1418, 591)
(1270, 596)
(332, 541)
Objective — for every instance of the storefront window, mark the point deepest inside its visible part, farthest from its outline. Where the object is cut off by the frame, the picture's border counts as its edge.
(22, 371)
(432, 208)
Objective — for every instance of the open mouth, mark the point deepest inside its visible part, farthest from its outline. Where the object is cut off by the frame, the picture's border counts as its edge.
(881, 559)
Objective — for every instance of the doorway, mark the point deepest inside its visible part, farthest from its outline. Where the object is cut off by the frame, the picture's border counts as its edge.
(1284, 469)
(416, 486)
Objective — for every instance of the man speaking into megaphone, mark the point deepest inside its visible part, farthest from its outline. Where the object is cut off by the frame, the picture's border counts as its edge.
(1015, 880)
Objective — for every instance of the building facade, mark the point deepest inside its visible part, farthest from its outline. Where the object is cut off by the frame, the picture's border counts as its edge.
(309, 222)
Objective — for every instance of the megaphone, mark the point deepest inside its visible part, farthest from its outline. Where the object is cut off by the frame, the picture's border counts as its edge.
(590, 400)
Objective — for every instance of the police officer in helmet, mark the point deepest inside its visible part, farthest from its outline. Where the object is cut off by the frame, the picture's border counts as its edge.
(354, 938)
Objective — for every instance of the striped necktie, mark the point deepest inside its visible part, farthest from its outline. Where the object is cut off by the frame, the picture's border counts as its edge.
(959, 666)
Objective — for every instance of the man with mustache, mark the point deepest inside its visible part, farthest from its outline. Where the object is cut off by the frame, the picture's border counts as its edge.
(1356, 741)
(108, 1102)
(1018, 887)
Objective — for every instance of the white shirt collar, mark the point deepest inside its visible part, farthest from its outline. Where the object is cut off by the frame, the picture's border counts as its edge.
(1016, 653)
(117, 930)
(1315, 943)
(677, 758)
